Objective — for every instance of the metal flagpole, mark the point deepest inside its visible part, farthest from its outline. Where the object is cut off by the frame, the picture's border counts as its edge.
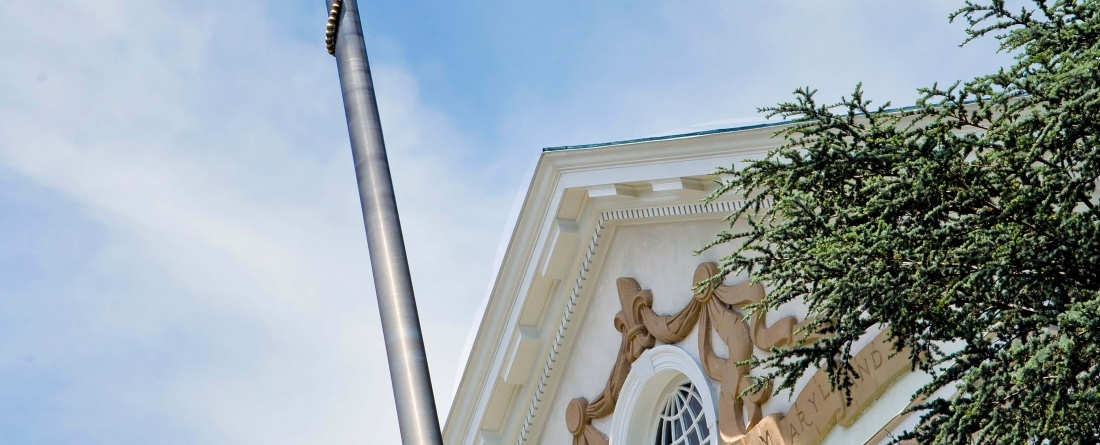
(412, 389)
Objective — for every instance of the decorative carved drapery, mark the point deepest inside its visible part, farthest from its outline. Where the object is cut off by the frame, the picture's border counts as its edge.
(714, 308)
(716, 311)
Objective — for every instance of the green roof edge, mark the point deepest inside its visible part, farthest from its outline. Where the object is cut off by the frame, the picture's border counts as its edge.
(662, 138)
(706, 132)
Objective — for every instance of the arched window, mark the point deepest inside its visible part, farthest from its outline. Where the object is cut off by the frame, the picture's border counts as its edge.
(666, 399)
(682, 421)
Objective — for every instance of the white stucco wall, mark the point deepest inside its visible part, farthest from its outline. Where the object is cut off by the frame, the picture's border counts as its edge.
(659, 256)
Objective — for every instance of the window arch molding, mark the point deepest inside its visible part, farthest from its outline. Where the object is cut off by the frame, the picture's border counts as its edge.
(652, 375)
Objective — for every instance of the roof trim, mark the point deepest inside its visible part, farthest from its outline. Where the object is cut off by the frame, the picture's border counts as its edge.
(663, 138)
(717, 131)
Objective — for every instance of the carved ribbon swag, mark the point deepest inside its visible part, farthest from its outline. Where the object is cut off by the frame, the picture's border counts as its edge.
(716, 308)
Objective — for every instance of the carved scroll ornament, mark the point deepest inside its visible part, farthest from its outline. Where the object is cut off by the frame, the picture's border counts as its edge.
(740, 420)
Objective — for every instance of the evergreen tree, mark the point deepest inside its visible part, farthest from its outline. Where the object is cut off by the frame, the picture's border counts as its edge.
(967, 226)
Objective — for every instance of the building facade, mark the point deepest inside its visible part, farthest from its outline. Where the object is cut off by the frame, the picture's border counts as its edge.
(592, 334)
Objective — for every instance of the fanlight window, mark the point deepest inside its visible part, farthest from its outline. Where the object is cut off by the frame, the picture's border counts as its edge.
(681, 420)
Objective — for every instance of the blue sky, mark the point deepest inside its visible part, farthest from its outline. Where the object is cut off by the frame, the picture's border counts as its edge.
(181, 254)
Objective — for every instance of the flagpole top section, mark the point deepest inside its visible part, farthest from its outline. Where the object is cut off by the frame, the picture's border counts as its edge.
(417, 419)
(333, 25)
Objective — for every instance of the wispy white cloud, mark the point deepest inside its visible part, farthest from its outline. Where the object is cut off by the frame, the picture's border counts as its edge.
(675, 64)
(229, 300)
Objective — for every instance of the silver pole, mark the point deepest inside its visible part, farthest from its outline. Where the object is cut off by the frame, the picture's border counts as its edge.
(412, 388)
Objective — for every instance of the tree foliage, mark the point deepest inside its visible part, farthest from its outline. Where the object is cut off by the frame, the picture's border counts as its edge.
(967, 226)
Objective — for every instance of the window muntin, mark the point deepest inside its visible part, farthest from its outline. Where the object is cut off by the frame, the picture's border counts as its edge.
(681, 420)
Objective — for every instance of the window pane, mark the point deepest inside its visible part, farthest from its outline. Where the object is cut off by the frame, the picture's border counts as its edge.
(681, 420)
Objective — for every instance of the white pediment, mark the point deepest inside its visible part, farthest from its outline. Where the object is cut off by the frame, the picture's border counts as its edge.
(580, 204)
